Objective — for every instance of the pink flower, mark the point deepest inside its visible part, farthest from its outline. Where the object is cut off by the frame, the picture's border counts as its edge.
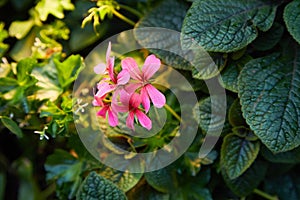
(112, 115)
(143, 76)
(134, 110)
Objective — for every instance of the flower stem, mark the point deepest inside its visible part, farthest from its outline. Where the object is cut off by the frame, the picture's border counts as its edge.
(172, 112)
(131, 10)
(265, 195)
(122, 17)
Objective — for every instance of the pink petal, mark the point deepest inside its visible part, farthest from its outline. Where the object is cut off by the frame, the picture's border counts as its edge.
(100, 68)
(144, 120)
(132, 87)
(145, 99)
(151, 66)
(102, 111)
(123, 104)
(98, 101)
(130, 120)
(108, 51)
(131, 66)
(104, 88)
(110, 67)
(112, 118)
(157, 98)
(135, 100)
(123, 77)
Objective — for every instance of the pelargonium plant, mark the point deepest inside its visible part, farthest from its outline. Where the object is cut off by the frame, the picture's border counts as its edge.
(127, 91)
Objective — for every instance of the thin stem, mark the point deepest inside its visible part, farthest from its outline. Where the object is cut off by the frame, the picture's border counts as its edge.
(49, 191)
(265, 195)
(172, 112)
(131, 10)
(122, 17)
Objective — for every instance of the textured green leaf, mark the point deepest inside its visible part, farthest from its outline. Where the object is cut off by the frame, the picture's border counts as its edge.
(163, 180)
(212, 121)
(54, 7)
(237, 154)
(292, 156)
(124, 180)
(286, 187)
(269, 89)
(164, 16)
(97, 187)
(229, 76)
(267, 40)
(208, 65)
(291, 16)
(247, 182)
(235, 115)
(11, 125)
(226, 26)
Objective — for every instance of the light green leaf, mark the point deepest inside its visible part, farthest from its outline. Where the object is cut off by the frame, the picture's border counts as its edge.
(11, 125)
(291, 16)
(267, 40)
(237, 155)
(24, 68)
(247, 182)
(20, 29)
(229, 76)
(54, 7)
(68, 70)
(226, 26)
(47, 82)
(269, 90)
(97, 187)
(3, 35)
(164, 16)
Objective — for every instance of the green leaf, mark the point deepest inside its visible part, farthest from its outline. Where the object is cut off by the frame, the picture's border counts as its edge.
(2, 184)
(3, 36)
(68, 70)
(54, 7)
(235, 115)
(163, 180)
(212, 121)
(24, 68)
(47, 82)
(97, 187)
(237, 154)
(286, 187)
(229, 76)
(248, 181)
(164, 16)
(268, 91)
(207, 65)
(20, 29)
(291, 16)
(7, 84)
(123, 179)
(292, 156)
(65, 170)
(12, 126)
(267, 40)
(226, 26)
(146, 192)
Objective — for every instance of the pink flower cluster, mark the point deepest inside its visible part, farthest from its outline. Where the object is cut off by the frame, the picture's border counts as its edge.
(128, 91)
